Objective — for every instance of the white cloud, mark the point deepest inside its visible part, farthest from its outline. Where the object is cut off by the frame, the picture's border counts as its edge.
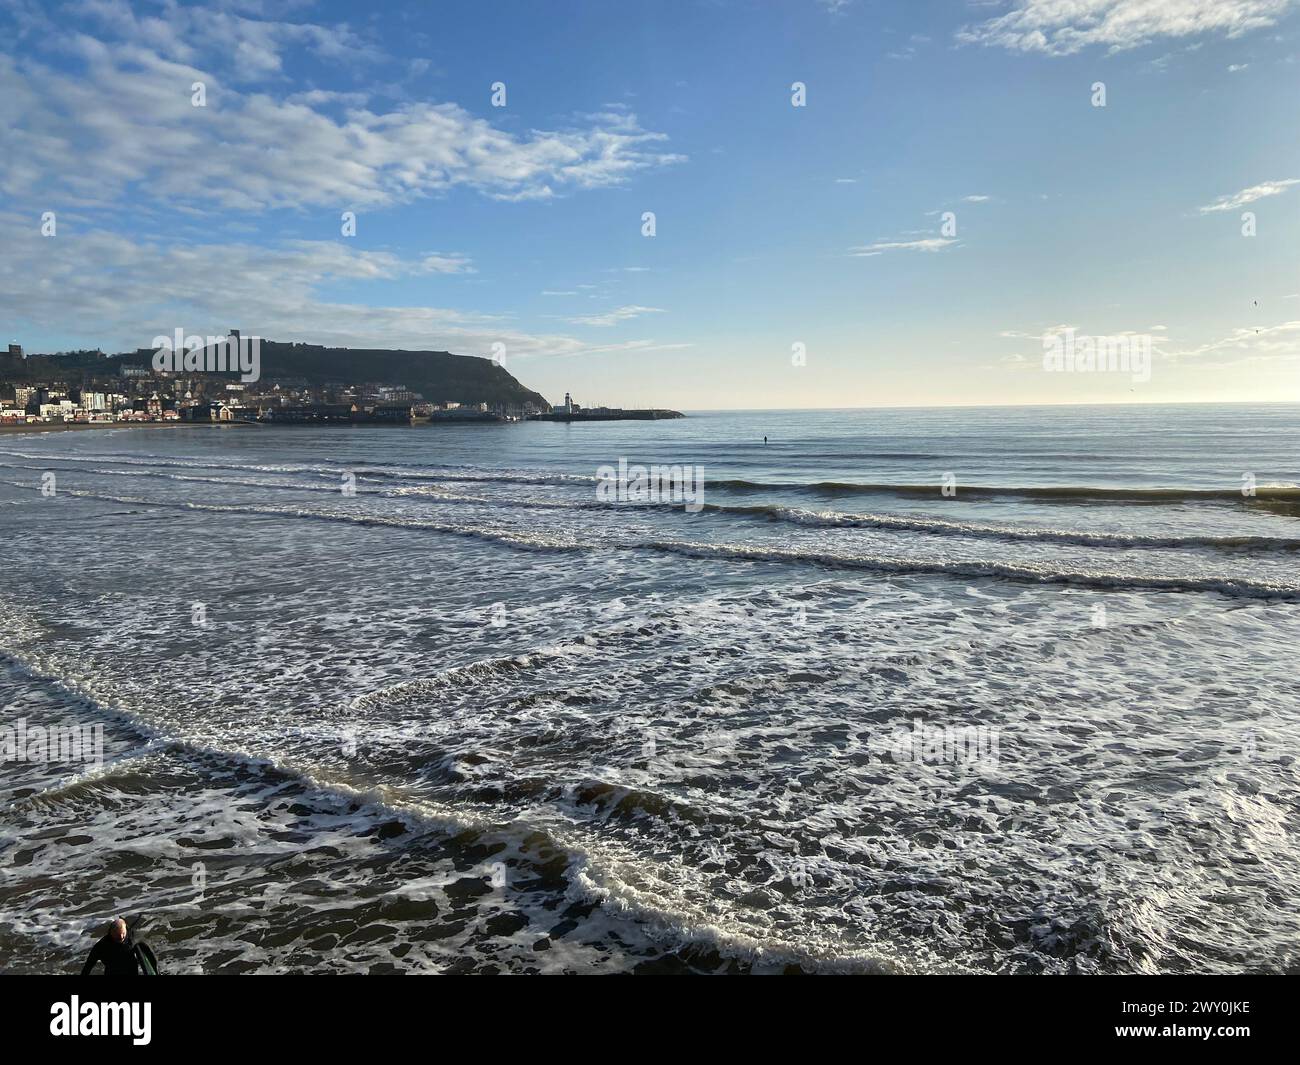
(627, 345)
(1050, 331)
(124, 120)
(618, 314)
(246, 49)
(930, 244)
(436, 263)
(1248, 344)
(1250, 195)
(111, 125)
(1063, 27)
(141, 289)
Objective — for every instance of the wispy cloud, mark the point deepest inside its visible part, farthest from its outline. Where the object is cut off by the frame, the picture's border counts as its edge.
(1250, 195)
(148, 287)
(639, 346)
(437, 263)
(1064, 27)
(1248, 344)
(618, 314)
(925, 244)
(909, 50)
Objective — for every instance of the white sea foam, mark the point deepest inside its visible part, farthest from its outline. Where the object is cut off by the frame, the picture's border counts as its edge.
(468, 721)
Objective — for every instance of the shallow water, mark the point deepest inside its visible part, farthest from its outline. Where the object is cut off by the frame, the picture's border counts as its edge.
(472, 718)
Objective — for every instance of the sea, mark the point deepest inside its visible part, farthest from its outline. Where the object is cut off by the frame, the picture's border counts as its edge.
(979, 690)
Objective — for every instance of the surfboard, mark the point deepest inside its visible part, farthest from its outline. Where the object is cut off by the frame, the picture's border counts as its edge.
(148, 960)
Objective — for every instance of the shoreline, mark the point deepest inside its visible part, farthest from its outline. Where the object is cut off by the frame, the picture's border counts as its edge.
(55, 427)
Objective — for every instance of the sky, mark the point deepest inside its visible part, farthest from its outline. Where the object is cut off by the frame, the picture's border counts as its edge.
(855, 203)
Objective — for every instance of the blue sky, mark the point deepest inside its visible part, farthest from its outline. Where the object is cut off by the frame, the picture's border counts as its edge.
(775, 225)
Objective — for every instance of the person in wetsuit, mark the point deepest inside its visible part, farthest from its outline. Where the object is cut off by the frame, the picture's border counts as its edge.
(116, 950)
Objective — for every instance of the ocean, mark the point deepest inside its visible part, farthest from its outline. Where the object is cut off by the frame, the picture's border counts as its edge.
(908, 691)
